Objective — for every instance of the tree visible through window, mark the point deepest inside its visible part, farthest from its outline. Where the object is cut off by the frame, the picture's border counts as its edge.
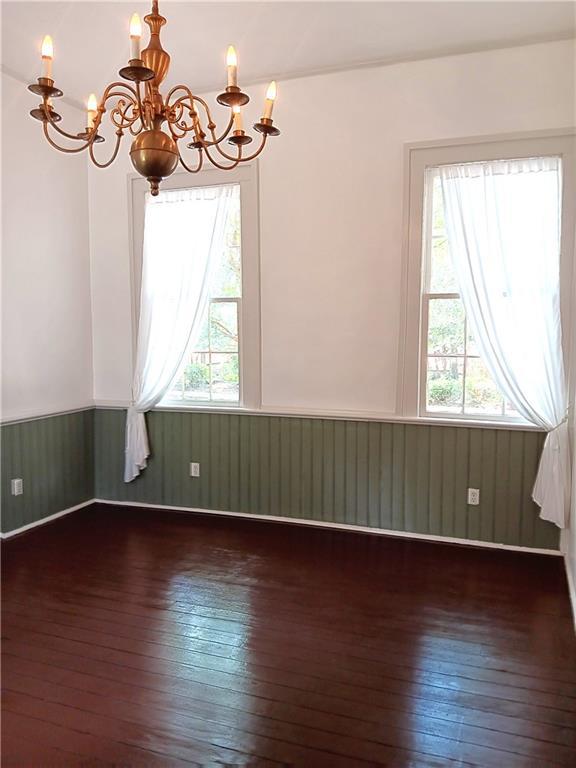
(212, 372)
(455, 379)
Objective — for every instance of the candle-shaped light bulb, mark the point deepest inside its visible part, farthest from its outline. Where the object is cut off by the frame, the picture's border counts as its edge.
(238, 123)
(135, 35)
(232, 64)
(92, 105)
(270, 98)
(47, 56)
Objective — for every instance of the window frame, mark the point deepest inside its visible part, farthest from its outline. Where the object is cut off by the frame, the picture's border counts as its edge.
(249, 328)
(412, 369)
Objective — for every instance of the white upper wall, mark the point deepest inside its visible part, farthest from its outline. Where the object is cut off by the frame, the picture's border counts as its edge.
(331, 205)
(46, 314)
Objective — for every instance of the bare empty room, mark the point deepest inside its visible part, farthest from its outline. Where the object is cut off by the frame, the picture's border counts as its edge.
(288, 381)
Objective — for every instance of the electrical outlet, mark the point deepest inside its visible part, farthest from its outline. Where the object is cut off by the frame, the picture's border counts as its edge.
(17, 486)
(194, 469)
(474, 496)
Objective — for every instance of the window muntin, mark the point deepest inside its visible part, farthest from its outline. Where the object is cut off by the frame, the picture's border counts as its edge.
(454, 380)
(211, 373)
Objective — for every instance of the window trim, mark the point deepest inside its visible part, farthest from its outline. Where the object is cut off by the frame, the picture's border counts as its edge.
(420, 156)
(249, 325)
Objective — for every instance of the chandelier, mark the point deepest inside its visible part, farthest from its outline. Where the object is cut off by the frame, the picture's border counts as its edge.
(157, 123)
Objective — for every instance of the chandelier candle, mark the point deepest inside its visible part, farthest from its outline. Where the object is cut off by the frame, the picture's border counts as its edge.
(238, 122)
(92, 110)
(165, 129)
(270, 99)
(47, 56)
(135, 35)
(232, 64)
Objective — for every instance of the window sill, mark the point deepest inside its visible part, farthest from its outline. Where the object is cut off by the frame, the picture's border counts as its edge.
(442, 421)
(306, 413)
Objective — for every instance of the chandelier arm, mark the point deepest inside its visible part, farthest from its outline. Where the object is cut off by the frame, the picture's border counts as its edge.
(198, 166)
(119, 136)
(121, 110)
(174, 90)
(108, 92)
(200, 100)
(175, 134)
(71, 136)
(177, 108)
(128, 97)
(255, 154)
(237, 160)
(68, 150)
(135, 132)
(224, 154)
(249, 157)
(211, 125)
(215, 141)
(188, 101)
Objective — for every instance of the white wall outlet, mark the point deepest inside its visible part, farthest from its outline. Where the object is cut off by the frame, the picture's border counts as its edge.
(474, 496)
(17, 486)
(194, 469)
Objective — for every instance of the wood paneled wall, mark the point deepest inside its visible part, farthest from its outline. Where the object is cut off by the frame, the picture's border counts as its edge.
(404, 477)
(54, 456)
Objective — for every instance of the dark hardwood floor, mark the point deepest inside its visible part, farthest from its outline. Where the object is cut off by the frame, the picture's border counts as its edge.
(148, 638)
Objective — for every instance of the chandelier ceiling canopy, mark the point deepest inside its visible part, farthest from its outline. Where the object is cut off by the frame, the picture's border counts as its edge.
(157, 123)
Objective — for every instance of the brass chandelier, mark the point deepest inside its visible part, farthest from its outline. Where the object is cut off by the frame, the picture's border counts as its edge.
(157, 123)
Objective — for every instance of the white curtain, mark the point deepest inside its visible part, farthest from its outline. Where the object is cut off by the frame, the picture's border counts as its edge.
(183, 232)
(503, 225)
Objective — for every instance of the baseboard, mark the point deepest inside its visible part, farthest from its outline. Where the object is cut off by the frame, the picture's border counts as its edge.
(302, 521)
(44, 520)
(337, 526)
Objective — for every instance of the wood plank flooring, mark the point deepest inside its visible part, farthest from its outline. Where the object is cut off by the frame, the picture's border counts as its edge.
(134, 637)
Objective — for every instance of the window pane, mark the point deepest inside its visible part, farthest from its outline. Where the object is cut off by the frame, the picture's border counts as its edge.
(510, 411)
(202, 343)
(482, 395)
(445, 383)
(227, 274)
(195, 380)
(442, 275)
(445, 327)
(438, 225)
(225, 377)
(224, 326)
(471, 348)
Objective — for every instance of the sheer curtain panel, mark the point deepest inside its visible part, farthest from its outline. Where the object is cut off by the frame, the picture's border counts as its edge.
(503, 223)
(183, 231)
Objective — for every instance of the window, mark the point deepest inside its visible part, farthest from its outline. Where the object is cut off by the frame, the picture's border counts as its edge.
(441, 374)
(222, 366)
(455, 380)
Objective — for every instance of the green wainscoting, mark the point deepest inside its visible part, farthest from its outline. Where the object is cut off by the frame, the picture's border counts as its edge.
(404, 477)
(54, 456)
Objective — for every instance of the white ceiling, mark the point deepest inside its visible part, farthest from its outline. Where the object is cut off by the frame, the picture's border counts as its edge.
(273, 39)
